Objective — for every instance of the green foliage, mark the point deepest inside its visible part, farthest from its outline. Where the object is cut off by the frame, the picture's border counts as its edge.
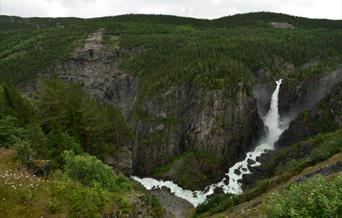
(79, 201)
(25, 195)
(217, 204)
(214, 58)
(169, 50)
(162, 51)
(323, 146)
(67, 112)
(287, 163)
(38, 140)
(204, 169)
(91, 172)
(14, 104)
(315, 198)
(23, 151)
(37, 50)
(17, 118)
(69, 120)
(9, 131)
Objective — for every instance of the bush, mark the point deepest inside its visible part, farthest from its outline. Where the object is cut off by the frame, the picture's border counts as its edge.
(315, 198)
(217, 204)
(79, 201)
(24, 152)
(90, 171)
(9, 132)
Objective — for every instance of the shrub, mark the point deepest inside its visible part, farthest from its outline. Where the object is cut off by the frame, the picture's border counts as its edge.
(90, 171)
(78, 200)
(24, 152)
(9, 132)
(217, 204)
(315, 198)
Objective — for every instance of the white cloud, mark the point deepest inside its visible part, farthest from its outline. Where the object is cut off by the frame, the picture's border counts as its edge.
(331, 9)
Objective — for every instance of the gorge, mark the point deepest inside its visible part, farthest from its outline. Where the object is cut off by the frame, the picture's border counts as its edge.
(139, 116)
(231, 182)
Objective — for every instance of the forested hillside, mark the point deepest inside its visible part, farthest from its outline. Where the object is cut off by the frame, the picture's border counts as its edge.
(86, 103)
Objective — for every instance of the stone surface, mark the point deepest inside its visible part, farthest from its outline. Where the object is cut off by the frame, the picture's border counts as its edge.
(174, 206)
(181, 118)
(325, 171)
(278, 25)
(323, 117)
(41, 167)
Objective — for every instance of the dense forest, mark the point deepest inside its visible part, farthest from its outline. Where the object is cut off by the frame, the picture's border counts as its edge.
(57, 138)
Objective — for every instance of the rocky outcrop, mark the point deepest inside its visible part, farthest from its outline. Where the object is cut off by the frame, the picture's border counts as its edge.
(95, 69)
(278, 25)
(324, 117)
(40, 167)
(325, 171)
(123, 160)
(175, 207)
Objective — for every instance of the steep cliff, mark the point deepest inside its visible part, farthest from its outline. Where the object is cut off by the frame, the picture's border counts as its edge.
(223, 123)
(324, 117)
(190, 118)
(295, 144)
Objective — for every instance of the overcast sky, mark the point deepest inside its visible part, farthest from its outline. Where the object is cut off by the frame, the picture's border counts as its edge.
(331, 9)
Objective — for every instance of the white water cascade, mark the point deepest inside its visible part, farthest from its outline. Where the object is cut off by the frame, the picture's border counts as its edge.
(231, 182)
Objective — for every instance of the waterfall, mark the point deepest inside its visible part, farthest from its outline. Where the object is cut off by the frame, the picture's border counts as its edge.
(272, 120)
(231, 182)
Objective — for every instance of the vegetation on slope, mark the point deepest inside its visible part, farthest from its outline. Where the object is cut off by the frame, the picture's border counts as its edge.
(317, 197)
(203, 169)
(162, 51)
(62, 117)
(76, 191)
(322, 147)
(63, 125)
(174, 50)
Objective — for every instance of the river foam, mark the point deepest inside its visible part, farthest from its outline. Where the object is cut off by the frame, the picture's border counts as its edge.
(231, 181)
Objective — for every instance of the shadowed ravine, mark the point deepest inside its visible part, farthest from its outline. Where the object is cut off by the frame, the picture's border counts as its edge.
(231, 183)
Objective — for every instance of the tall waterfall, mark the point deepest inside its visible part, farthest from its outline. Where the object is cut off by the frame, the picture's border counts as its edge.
(231, 182)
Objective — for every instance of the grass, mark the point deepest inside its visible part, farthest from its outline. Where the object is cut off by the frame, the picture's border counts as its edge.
(22, 193)
(25, 195)
(259, 205)
(325, 146)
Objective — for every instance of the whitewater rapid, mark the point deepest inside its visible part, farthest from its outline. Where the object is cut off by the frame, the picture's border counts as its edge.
(231, 181)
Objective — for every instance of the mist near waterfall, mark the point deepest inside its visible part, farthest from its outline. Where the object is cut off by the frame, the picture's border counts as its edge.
(307, 94)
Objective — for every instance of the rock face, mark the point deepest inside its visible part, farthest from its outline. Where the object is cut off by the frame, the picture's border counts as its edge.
(191, 118)
(94, 68)
(307, 94)
(323, 117)
(294, 99)
(123, 161)
(41, 167)
(174, 206)
(224, 123)
(325, 171)
(175, 120)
